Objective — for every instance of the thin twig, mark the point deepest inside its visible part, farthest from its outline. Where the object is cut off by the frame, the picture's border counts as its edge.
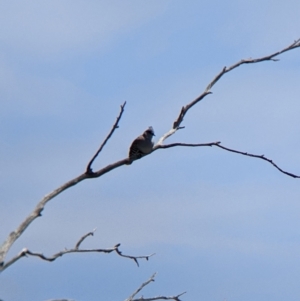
(259, 157)
(135, 258)
(26, 252)
(151, 279)
(84, 237)
(115, 126)
(218, 144)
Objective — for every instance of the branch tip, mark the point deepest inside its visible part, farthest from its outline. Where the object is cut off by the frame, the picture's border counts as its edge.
(259, 157)
(114, 127)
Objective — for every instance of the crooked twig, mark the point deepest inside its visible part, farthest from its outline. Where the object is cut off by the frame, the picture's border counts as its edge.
(259, 157)
(115, 126)
(218, 144)
(151, 279)
(135, 258)
(26, 252)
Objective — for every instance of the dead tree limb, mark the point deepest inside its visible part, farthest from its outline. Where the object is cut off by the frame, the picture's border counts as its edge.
(88, 174)
(25, 253)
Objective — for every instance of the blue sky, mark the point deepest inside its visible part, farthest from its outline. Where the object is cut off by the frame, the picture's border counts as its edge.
(223, 226)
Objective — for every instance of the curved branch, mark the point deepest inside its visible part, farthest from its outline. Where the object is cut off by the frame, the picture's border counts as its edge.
(218, 144)
(13, 236)
(84, 237)
(259, 157)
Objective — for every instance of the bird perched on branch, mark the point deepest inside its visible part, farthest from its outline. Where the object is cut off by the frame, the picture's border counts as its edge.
(142, 145)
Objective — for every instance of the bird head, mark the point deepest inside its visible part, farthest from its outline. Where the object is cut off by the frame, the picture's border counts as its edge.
(149, 132)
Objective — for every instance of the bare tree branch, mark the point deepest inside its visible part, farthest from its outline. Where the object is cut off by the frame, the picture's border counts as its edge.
(88, 174)
(184, 110)
(151, 279)
(84, 237)
(26, 252)
(115, 126)
(185, 144)
(135, 258)
(13, 236)
(259, 157)
(218, 144)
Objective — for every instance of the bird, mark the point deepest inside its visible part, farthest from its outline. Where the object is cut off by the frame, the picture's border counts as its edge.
(142, 145)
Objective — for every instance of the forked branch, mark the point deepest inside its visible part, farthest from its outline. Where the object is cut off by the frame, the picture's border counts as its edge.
(14, 235)
(26, 252)
(88, 174)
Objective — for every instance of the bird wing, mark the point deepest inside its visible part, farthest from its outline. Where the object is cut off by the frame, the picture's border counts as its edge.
(135, 151)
